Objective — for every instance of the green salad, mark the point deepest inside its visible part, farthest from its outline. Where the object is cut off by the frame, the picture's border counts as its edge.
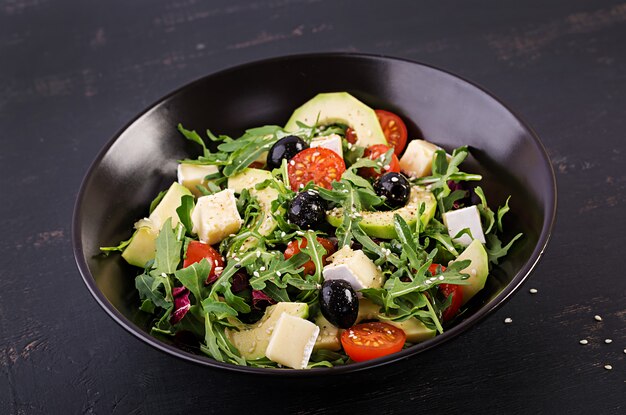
(331, 240)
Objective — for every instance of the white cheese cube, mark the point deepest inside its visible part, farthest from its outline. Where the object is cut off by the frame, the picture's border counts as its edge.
(215, 217)
(457, 220)
(418, 158)
(331, 142)
(354, 267)
(191, 175)
(292, 341)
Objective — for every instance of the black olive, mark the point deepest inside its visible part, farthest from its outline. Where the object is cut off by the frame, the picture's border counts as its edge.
(339, 303)
(395, 188)
(307, 210)
(285, 148)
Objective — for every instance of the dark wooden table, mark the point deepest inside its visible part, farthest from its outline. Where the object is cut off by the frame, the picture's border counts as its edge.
(72, 73)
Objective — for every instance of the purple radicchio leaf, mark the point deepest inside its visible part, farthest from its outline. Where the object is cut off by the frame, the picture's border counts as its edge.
(260, 300)
(181, 304)
(239, 281)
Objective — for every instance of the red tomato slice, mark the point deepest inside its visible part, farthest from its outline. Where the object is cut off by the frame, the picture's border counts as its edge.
(318, 164)
(394, 129)
(372, 340)
(375, 152)
(449, 290)
(309, 267)
(197, 250)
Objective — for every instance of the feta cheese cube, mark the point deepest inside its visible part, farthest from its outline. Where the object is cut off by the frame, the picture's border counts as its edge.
(457, 220)
(292, 341)
(191, 175)
(215, 217)
(418, 158)
(354, 267)
(331, 142)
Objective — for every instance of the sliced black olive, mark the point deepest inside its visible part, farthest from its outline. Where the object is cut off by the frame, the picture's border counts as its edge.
(395, 188)
(339, 303)
(307, 210)
(285, 148)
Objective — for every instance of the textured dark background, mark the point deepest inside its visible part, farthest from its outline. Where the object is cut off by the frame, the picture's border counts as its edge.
(73, 72)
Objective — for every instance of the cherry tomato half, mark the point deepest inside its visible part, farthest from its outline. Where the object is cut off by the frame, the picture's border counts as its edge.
(449, 290)
(375, 152)
(394, 129)
(317, 164)
(309, 267)
(372, 340)
(197, 250)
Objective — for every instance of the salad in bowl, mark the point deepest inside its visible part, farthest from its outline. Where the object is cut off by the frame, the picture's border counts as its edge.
(333, 239)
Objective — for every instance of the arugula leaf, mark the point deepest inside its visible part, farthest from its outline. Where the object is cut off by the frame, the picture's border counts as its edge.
(193, 278)
(494, 247)
(315, 251)
(485, 212)
(120, 247)
(502, 211)
(444, 170)
(157, 200)
(193, 136)
(277, 293)
(168, 247)
(184, 211)
(155, 288)
(219, 308)
(409, 242)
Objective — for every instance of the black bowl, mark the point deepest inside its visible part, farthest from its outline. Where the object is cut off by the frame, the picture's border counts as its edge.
(141, 160)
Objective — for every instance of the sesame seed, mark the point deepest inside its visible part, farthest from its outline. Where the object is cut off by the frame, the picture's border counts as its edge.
(584, 341)
(262, 269)
(441, 278)
(608, 367)
(258, 254)
(597, 317)
(278, 273)
(608, 341)
(293, 163)
(508, 320)
(394, 179)
(533, 291)
(624, 350)
(255, 273)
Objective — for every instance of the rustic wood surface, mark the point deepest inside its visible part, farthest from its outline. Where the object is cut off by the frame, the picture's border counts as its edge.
(73, 72)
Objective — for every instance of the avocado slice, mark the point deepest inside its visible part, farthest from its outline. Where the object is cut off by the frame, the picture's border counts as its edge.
(252, 340)
(247, 179)
(328, 338)
(380, 224)
(340, 108)
(414, 329)
(167, 206)
(478, 269)
(142, 247)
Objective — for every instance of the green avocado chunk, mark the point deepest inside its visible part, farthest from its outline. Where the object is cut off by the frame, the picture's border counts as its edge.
(252, 340)
(414, 329)
(478, 269)
(142, 247)
(380, 224)
(340, 108)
